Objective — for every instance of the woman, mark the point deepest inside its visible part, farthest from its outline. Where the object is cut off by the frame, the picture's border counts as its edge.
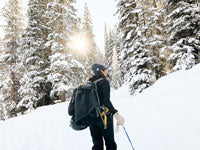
(97, 127)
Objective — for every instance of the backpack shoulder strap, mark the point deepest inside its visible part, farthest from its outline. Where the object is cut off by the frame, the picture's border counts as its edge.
(95, 82)
(98, 107)
(98, 80)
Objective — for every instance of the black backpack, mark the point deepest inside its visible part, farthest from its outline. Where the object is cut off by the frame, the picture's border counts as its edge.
(84, 102)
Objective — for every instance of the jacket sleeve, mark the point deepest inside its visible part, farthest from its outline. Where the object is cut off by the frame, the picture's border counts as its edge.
(106, 96)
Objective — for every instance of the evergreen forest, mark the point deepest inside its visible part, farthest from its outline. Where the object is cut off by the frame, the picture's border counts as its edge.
(47, 53)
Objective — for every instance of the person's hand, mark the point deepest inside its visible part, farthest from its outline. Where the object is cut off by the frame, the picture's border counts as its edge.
(119, 118)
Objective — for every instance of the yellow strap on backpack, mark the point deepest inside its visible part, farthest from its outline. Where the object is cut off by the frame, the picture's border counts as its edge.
(81, 84)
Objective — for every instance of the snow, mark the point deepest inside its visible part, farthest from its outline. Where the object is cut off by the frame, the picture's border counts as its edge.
(163, 117)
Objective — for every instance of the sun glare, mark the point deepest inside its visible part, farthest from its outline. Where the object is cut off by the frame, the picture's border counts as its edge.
(79, 43)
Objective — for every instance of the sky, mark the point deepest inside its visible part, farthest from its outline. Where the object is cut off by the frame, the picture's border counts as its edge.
(102, 11)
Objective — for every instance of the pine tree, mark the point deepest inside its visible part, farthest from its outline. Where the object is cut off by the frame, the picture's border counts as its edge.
(153, 27)
(87, 29)
(12, 32)
(3, 94)
(31, 59)
(64, 68)
(116, 73)
(105, 40)
(117, 79)
(110, 44)
(124, 27)
(1, 61)
(137, 60)
(46, 86)
(183, 33)
(156, 35)
(99, 58)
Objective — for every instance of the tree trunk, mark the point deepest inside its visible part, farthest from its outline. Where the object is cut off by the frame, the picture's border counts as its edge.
(63, 96)
(154, 4)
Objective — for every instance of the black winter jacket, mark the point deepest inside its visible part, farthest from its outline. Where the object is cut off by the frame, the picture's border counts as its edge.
(103, 87)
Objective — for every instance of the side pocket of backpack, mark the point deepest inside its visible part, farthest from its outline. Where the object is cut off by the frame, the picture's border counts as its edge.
(71, 107)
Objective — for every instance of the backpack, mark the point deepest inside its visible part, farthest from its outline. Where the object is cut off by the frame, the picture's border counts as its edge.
(84, 102)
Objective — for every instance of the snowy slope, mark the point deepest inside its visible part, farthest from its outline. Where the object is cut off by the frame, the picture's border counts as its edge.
(166, 115)
(163, 117)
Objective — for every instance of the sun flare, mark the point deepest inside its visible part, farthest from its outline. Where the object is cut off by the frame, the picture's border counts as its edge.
(79, 43)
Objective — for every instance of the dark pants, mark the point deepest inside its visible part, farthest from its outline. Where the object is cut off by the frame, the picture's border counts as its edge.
(98, 133)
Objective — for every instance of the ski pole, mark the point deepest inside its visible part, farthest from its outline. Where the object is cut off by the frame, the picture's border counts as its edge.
(128, 138)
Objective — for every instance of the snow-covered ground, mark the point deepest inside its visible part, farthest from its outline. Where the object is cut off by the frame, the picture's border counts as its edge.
(163, 117)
